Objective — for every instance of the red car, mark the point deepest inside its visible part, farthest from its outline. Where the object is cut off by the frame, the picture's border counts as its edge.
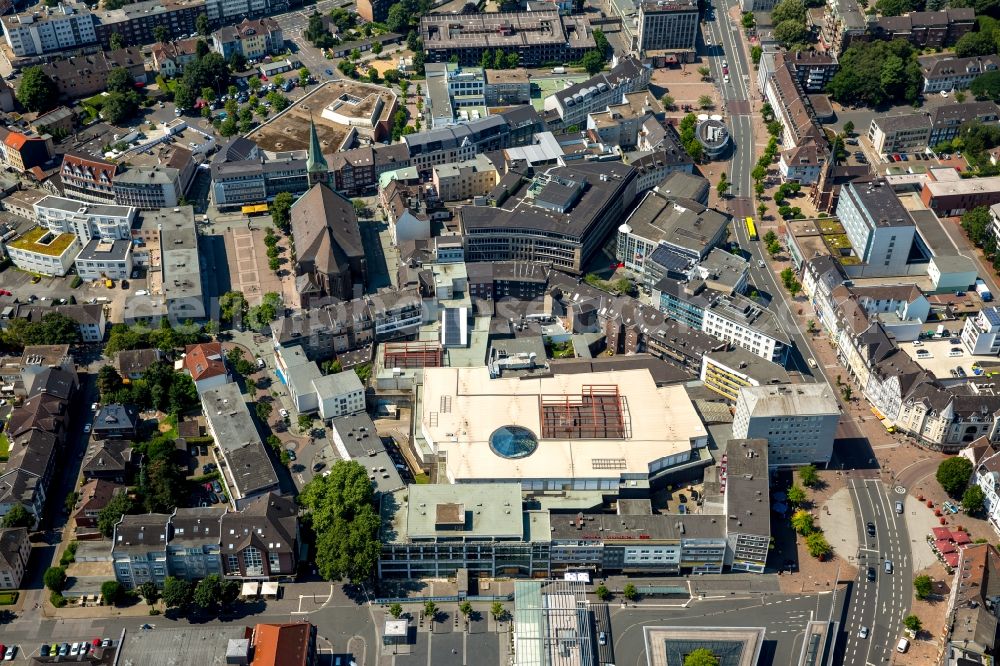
(4, 292)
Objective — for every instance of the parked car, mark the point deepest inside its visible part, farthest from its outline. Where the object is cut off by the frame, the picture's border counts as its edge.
(283, 412)
(74, 650)
(86, 428)
(43, 651)
(216, 486)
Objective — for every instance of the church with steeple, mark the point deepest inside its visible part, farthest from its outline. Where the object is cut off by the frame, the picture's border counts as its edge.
(330, 260)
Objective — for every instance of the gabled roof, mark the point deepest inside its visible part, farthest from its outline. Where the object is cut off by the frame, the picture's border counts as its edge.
(269, 521)
(281, 644)
(110, 456)
(325, 230)
(12, 540)
(32, 453)
(96, 493)
(50, 381)
(204, 361)
(41, 412)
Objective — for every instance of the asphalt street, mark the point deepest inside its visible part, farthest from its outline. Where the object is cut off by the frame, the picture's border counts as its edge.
(294, 24)
(784, 618)
(879, 605)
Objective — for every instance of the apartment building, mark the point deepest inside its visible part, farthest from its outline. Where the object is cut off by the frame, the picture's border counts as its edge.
(459, 143)
(180, 262)
(86, 75)
(221, 12)
(915, 132)
(85, 178)
(668, 25)
(42, 29)
(843, 22)
(934, 29)
(744, 323)
(252, 39)
(947, 194)
(507, 87)
(572, 104)
(946, 420)
(464, 180)
(258, 542)
(519, 280)
(136, 23)
(878, 226)
(154, 186)
(803, 164)
(981, 333)
(88, 221)
(23, 152)
(799, 422)
(374, 10)
(14, 552)
(170, 58)
(537, 37)
(105, 259)
(791, 106)
(947, 73)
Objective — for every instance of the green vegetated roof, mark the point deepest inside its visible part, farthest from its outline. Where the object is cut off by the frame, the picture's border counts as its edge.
(29, 242)
(829, 226)
(837, 241)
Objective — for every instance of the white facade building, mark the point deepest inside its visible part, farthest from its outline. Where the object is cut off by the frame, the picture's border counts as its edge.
(45, 252)
(105, 259)
(65, 26)
(799, 422)
(88, 221)
(341, 394)
(981, 334)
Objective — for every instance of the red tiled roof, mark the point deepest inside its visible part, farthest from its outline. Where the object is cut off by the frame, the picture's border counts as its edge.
(16, 140)
(204, 361)
(281, 644)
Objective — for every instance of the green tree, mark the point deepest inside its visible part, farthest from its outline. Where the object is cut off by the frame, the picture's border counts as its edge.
(120, 80)
(748, 20)
(263, 410)
(848, 128)
(602, 592)
(913, 623)
(701, 657)
(802, 522)
(808, 475)
(280, 210)
(303, 77)
(184, 97)
(953, 474)
(119, 505)
(376, 47)
(465, 608)
(601, 41)
(986, 86)
(817, 545)
(55, 578)
(497, 610)
(630, 592)
(208, 592)
(923, 586)
(202, 26)
(18, 516)
(788, 10)
(341, 510)
(37, 92)
(593, 62)
(723, 185)
(430, 610)
(119, 107)
(704, 72)
(160, 34)
(796, 496)
(973, 499)
(790, 33)
(398, 18)
(761, 210)
(116, 41)
(149, 592)
(976, 224)
(877, 73)
(395, 610)
(668, 102)
(232, 306)
(176, 592)
(705, 102)
(974, 44)
(305, 422)
(111, 591)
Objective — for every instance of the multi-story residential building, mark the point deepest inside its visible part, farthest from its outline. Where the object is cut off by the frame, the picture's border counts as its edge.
(14, 551)
(88, 221)
(630, 122)
(668, 25)
(170, 58)
(563, 216)
(803, 164)
(812, 69)
(537, 37)
(946, 72)
(981, 333)
(572, 104)
(136, 23)
(43, 29)
(180, 262)
(374, 10)
(798, 421)
(243, 174)
(946, 420)
(258, 542)
(206, 366)
(726, 372)
(248, 470)
(947, 194)
(745, 323)
(915, 132)
(787, 97)
(935, 29)
(971, 617)
(85, 178)
(132, 363)
(449, 87)
(464, 180)
(101, 259)
(253, 39)
(86, 75)
(159, 185)
(39, 250)
(519, 280)
(340, 394)
(89, 317)
(843, 22)
(24, 152)
(878, 226)
(221, 12)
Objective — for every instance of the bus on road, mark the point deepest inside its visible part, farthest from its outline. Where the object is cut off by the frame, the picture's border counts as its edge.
(751, 229)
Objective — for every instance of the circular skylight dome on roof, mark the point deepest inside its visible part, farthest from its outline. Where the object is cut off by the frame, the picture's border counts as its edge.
(513, 442)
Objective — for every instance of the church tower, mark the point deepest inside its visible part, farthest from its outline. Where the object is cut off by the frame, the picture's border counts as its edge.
(316, 166)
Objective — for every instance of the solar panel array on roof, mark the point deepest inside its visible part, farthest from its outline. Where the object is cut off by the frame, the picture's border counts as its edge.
(453, 327)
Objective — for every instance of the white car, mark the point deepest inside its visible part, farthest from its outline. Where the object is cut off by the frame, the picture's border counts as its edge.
(94, 407)
(284, 413)
(74, 650)
(86, 428)
(863, 632)
(141, 292)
